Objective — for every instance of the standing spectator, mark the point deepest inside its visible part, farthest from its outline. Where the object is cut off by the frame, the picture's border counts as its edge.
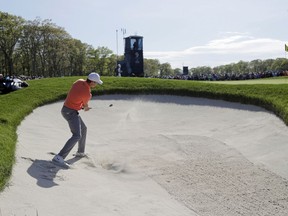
(119, 71)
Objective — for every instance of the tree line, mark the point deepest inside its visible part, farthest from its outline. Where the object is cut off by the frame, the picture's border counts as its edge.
(40, 48)
(255, 66)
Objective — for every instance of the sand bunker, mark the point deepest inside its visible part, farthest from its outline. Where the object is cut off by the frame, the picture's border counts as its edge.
(153, 155)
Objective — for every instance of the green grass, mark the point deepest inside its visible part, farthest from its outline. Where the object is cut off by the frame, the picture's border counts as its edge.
(16, 105)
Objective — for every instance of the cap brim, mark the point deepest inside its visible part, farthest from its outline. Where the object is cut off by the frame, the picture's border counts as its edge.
(100, 82)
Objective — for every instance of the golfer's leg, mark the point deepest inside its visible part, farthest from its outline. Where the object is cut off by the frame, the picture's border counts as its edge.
(75, 127)
(82, 141)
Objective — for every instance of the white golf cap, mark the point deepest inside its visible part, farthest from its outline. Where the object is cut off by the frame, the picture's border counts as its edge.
(95, 78)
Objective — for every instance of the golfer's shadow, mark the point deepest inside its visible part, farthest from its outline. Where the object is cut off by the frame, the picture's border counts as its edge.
(46, 173)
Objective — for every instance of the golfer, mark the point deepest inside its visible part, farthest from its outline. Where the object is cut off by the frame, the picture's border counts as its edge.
(77, 99)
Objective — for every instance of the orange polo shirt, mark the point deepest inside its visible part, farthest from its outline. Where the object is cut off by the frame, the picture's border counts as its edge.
(79, 95)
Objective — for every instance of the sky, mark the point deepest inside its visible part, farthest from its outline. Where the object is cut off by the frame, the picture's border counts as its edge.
(189, 33)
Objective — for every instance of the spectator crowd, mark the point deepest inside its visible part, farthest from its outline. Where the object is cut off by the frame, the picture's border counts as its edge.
(228, 76)
(9, 84)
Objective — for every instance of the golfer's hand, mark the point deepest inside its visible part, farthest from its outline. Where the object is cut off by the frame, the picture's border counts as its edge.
(87, 108)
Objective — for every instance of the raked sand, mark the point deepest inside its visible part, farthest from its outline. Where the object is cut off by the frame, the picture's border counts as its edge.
(153, 155)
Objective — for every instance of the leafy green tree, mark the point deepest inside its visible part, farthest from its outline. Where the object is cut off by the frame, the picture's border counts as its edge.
(29, 49)
(177, 72)
(100, 60)
(55, 47)
(201, 70)
(2, 63)
(267, 64)
(76, 57)
(90, 59)
(219, 69)
(104, 54)
(279, 64)
(228, 69)
(41, 48)
(256, 66)
(10, 32)
(151, 67)
(240, 67)
(166, 69)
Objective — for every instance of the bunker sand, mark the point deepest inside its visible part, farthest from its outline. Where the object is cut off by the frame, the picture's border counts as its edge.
(153, 155)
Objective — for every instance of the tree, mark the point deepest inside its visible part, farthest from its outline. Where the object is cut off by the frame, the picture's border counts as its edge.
(219, 70)
(104, 54)
(256, 66)
(267, 64)
(100, 60)
(177, 71)
(76, 57)
(111, 64)
(201, 70)
(151, 67)
(2, 63)
(41, 48)
(240, 67)
(280, 64)
(56, 49)
(29, 48)
(10, 32)
(166, 69)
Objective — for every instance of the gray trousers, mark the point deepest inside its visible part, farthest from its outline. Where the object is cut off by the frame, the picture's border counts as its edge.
(78, 130)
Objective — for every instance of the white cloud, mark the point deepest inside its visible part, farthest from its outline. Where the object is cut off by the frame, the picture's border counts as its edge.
(232, 47)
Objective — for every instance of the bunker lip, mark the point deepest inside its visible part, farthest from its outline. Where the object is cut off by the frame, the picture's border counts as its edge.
(152, 154)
